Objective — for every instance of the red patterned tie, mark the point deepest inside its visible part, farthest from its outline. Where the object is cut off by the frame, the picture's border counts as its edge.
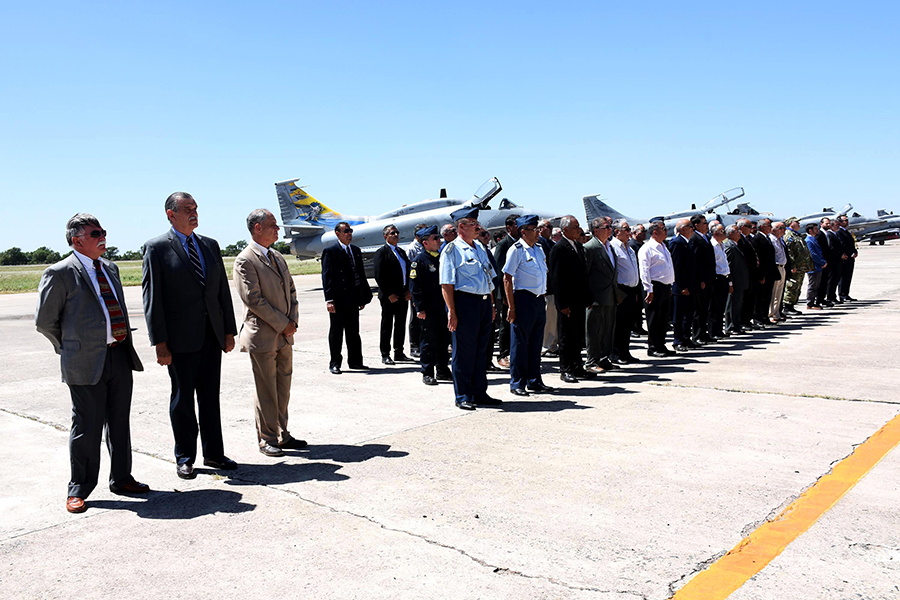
(116, 316)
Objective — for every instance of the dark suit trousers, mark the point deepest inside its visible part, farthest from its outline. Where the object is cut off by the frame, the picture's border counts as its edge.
(393, 319)
(824, 284)
(684, 317)
(344, 321)
(700, 321)
(197, 372)
(415, 328)
(733, 307)
(718, 301)
(748, 304)
(570, 331)
(763, 300)
(600, 326)
(504, 335)
(846, 277)
(433, 341)
(658, 316)
(625, 316)
(527, 340)
(470, 339)
(106, 404)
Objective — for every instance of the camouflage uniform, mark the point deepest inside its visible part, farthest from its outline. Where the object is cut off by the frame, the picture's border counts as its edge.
(801, 262)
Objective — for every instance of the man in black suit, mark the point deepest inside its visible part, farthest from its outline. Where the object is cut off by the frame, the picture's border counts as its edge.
(757, 277)
(500, 251)
(81, 310)
(849, 243)
(765, 251)
(392, 277)
(839, 254)
(685, 287)
(568, 279)
(832, 253)
(740, 279)
(346, 293)
(190, 319)
(638, 237)
(705, 260)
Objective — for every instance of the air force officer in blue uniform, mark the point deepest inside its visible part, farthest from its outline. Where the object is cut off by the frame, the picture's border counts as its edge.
(525, 281)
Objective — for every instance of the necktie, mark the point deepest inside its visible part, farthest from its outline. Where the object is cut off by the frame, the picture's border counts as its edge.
(195, 261)
(116, 317)
(272, 263)
(353, 267)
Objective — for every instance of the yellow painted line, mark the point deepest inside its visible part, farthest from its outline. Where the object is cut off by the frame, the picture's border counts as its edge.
(758, 549)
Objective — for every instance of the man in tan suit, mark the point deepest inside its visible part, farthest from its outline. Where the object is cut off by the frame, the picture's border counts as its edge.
(264, 283)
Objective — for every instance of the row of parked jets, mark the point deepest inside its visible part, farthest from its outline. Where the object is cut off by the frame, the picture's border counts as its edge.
(309, 224)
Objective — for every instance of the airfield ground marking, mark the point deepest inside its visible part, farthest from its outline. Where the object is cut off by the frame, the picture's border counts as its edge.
(758, 549)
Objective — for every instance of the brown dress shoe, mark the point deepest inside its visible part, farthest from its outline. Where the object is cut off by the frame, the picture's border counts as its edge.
(132, 487)
(75, 505)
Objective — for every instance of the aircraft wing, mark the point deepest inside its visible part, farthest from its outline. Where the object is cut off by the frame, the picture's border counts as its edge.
(302, 229)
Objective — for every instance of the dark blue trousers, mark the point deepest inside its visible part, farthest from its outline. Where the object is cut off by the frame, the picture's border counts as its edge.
(527, 340)
(684, 318)
(433, 341)
(473, 328)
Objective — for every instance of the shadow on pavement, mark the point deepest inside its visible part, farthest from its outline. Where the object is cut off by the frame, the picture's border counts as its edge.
(345, 453)
(178, 505)
(278, 473)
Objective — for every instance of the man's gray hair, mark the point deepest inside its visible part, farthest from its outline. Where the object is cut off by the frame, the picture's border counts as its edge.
(172, 200)
(619, 224)
(257, 216)
(386, 228)
(655, 226)
(446, 227)
(566, 221)
(716, 228)
(599, 222)
(731, 229)
(75, 226)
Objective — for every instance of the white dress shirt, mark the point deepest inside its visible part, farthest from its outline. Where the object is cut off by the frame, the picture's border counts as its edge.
(629, 275)
(655, 264)
(780, 258)
(92, 273)
(722, 267)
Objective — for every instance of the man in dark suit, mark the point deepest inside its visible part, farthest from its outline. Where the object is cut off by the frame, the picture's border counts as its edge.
(740, 280)
(638, 237)
(500, 251)
(346, 293)
(190, 319)
(392, 277)
(685, 287)
(831, 251)
(705, 260)
(765, 251)
(602, 279)
(568, 277)
(757, 277)
(839, 254)
(81, 310)
(850, 249)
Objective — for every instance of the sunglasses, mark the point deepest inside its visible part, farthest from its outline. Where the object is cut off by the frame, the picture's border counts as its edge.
(390, 232)
(347, 230)
(97, 233)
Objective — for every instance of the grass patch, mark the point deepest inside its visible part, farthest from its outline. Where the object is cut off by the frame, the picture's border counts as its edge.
(25, 278)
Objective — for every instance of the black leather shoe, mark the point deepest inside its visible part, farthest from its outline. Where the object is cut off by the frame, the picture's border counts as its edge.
(414, 351)
(568, 378)
(680, 348)
(828, 303)
(132, 487)
(692, 346)
(185, 471)
(542, 389)
(849, 299)
(386, 360)
(359, 367)
(582, 373)
(631, 359)
(466, 405)
(606, 365)
(492, 368)
(270, 450)
(428, 380)
(517, 392)
(402, 358)
(444, 376)
(293, 444)
(335, 370)
(220, 464)
(488, 401)
(620, 361)
(657, 354)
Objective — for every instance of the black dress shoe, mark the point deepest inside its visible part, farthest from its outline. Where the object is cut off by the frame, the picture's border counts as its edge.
(828, 303)
(429, 380)
(849, 299)
(607, 365)
(402, 358)
(293, 444)
(185, 471)
(359, 367)
(491, 368)
(270, 450)
(680, 348)
(582, 373)
(444, 375)
(657, 354)
(620, 361)
(465, 405)
(488, 401)
(386, 360)
(568, 378)
(631, 359)
(692, 346)
(220, 464)
(335, 370)
(132, 487)
(414, 351)
(542, 389)
(517, 392)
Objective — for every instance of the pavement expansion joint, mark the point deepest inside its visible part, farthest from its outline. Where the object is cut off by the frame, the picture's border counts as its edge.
(36, 419)
(769, 393)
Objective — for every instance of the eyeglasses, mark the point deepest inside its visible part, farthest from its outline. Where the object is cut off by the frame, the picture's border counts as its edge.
(97, 233)
(392, 232)
(346, 230)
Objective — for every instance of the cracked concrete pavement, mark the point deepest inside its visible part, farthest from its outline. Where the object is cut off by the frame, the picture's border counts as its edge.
(623, 488)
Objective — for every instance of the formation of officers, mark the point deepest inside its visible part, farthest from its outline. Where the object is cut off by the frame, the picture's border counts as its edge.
(581, 297)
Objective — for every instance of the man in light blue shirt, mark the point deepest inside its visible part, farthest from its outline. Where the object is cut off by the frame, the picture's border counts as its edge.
(628, 280)
(525, 280)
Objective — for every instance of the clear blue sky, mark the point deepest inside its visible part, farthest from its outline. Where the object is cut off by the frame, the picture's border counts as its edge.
(109, 107)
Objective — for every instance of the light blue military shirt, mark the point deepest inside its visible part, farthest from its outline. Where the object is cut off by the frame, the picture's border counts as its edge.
(528, 267)
(467, 268)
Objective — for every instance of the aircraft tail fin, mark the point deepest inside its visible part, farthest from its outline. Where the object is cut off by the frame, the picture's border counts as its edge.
(595, 207)
(297, 206)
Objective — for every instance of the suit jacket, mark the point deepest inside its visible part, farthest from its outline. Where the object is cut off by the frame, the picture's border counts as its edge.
(602, 273)
(177, 306)
(704, 259)
(737, 264)
(835, 247)
(568, 275)
(269, 297)
(750, 258)
(338, 280)
(683, 262)
(70, 314)
(500, 252)
(766, 253)
(847, 242)
(390, 273)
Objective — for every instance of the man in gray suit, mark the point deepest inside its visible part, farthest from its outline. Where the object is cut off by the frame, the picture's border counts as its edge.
(81, 310)
(190, 319)
(602, 279)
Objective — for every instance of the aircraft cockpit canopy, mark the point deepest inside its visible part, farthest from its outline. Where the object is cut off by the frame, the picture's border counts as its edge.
(507, 204)
(488, 190)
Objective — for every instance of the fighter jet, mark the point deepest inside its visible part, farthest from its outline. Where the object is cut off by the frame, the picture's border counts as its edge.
(885, 227)
(309, 224)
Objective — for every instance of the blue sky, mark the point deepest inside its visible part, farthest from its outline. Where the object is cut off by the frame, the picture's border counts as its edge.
(109, 107)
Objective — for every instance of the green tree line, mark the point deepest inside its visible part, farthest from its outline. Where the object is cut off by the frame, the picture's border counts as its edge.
(44, 255)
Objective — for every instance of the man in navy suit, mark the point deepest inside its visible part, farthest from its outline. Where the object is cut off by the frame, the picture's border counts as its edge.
(346, 293)
(190, 319)
(685, 285)
(392, 277)
(705, 260)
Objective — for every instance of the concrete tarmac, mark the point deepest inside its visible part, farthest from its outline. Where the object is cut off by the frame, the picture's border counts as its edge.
(623, 487)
